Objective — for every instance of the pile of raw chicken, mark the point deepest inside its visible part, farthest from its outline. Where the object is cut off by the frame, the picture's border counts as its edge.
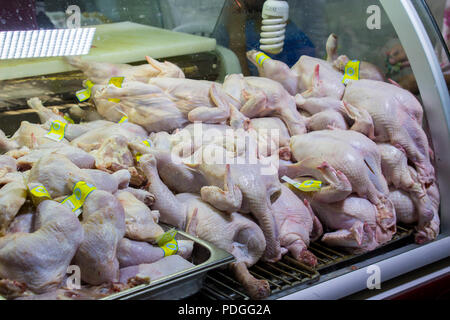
(363, 141)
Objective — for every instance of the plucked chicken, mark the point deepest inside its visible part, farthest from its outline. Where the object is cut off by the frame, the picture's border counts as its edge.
(232, 232)
(101, 72)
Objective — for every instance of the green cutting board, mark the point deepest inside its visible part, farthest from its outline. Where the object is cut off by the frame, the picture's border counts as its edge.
(121, 42)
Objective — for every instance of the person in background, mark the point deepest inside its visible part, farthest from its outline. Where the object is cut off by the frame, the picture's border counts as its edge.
(396, 55)
(243, 27)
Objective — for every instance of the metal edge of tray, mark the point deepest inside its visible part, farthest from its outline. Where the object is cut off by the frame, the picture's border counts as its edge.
(218, 257)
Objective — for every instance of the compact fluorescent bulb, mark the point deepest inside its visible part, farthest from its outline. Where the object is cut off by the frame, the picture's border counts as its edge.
(275, 15)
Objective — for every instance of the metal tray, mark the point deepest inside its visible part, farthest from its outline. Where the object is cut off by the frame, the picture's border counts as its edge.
(205, 256)
(183, 284)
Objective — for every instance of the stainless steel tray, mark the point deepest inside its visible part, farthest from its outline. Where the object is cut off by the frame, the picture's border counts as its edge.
(182, 284)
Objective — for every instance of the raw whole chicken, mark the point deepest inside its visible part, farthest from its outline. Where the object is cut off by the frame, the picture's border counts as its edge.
(77, 156)
(40, 259)
(397, 119)
(165, 104)
(28, 135)
(297, 224)
(57, 173)
(232, 232)
(310, 77)
(347, 162)
(71, 131)
(94, 138)
(408, 212)
(101, 72)
(203, 101)
(235, 187)
(261, 97)
(104, 226)
(414, 204)
(403, 177)
(351, 224)
(143, 104)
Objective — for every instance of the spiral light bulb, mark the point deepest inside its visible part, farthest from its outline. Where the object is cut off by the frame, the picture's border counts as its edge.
(275, 14)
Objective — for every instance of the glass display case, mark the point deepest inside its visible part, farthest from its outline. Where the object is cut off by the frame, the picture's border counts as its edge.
(207, 41)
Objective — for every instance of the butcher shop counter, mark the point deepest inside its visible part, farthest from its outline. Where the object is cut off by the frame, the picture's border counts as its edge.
(337, 273)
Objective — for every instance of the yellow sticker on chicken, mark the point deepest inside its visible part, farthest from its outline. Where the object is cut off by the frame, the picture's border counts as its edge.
(306, 186)
(170, 248)
(39, 194)
(68, 119)
(80, 193)
(168, 243)
(116, 81)
(149, 144)
(85, 94)
(57, 130)
(123, 119)
(351, 71)
(166, 237)
(261, 57)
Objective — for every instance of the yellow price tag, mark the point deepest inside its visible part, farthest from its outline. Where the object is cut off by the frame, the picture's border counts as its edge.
(79, 195)
(39, 194)
(57, 130)
(351, 71)
(170, 248)
(261, 57)
(89, 84)
(123, 119)
(166, 237)
(148, 143)
(168, 243)
(306, 186)
(85, 94)
(68, 119)
(116, 81)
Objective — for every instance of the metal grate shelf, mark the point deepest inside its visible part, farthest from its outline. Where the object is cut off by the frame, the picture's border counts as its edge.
(282, 275)
(289, 273)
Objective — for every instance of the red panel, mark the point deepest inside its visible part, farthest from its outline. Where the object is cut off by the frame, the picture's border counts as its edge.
(434, 289)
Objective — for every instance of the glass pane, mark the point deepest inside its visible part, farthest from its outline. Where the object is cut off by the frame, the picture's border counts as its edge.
(309, 25)
(435, 16)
